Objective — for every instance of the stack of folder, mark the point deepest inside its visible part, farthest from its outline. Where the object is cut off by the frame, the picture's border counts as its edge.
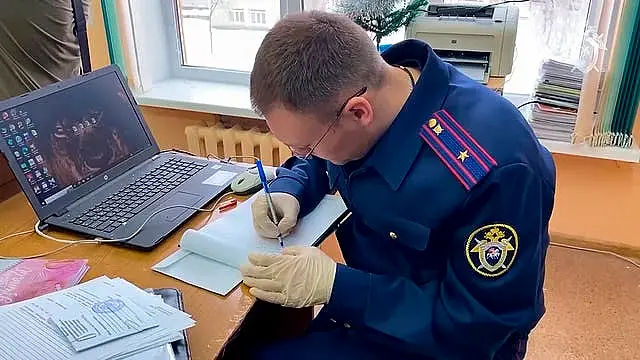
(557, 95)
(621, 90)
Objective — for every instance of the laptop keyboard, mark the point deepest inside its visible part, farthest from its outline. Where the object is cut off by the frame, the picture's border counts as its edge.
(130, 200)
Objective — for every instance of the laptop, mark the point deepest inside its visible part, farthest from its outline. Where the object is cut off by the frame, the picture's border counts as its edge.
(87, 162)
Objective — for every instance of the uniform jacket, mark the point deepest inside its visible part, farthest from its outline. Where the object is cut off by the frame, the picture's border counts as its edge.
(446, 244)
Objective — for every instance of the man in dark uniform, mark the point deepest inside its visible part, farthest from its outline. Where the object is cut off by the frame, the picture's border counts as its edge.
(449, 189)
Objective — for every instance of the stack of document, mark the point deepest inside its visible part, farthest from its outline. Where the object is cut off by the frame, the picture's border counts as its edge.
(558, 95)
(101, 319)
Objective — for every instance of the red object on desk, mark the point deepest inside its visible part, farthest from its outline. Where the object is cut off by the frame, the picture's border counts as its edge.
(228, 205)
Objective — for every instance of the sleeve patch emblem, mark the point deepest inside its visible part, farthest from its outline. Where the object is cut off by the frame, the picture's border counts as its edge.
(492, 249)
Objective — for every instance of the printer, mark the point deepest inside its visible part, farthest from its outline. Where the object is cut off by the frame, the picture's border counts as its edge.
(479, 40)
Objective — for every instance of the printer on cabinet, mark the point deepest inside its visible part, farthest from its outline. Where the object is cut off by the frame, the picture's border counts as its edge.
(478, 40)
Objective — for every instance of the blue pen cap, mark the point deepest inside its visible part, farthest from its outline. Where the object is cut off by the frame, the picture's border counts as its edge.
(263, 176)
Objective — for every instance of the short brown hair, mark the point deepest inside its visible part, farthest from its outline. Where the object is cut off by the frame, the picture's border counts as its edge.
(309, 59)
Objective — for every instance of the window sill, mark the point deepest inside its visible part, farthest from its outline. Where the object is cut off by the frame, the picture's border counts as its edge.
(233, 100)
(202, 96)
(609, 153)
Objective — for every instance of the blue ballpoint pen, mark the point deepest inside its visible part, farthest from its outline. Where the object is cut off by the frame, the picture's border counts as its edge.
(265, 185)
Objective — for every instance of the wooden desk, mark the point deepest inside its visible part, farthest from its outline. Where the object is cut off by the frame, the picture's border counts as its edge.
(217, 317)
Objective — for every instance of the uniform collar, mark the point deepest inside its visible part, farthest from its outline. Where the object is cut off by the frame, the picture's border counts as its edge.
(397, 149)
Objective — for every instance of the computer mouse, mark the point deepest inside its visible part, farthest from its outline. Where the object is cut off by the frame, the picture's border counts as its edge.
(248, 182)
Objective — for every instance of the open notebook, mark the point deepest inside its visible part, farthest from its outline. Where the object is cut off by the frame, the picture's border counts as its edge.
(210, 257)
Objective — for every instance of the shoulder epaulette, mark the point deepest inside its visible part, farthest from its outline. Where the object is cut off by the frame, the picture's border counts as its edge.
(460, 152)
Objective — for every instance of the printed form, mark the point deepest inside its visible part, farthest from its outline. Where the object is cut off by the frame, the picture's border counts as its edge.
(100, 319)
(102, 322)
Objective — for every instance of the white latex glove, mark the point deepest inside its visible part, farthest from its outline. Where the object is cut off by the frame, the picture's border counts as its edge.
(299, 277)
(287, 209)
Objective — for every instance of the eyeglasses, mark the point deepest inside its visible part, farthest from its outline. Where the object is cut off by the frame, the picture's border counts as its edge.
(331, 125)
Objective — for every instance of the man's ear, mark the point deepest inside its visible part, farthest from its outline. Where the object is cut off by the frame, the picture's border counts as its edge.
(360, 110)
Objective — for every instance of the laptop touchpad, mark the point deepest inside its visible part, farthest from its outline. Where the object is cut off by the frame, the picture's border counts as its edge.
(179, 198)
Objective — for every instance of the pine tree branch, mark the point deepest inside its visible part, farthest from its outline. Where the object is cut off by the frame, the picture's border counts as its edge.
(391, 22)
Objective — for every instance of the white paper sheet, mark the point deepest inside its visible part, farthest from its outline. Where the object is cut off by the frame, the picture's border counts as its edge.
(27, 332)
(158, 353)
(103, 322)
(210, 257)
(200, 271)
(477, 72)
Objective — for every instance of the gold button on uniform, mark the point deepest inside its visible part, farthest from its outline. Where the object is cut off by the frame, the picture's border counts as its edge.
(393, 235)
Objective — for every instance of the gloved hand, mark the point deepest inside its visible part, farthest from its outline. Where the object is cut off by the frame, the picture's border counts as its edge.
(287, 209)
(299, 277)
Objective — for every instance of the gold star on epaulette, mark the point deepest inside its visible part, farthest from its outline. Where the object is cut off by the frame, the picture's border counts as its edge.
(463, 155)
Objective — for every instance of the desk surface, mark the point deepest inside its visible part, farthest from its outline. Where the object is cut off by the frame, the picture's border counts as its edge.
(217, 317)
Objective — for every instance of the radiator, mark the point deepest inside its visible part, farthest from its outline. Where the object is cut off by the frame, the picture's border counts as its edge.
(235, 141)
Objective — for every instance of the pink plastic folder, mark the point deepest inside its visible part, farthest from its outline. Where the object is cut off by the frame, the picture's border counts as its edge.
(34, 277)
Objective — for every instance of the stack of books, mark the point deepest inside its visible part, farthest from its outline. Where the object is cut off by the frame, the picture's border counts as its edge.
(557, 95)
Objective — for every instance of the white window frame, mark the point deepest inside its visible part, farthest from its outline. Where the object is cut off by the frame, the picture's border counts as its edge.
(237, 13)
(257, 17)
(158, 46)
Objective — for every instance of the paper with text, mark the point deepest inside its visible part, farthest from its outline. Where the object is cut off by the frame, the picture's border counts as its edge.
(28, 333)
(102, 322)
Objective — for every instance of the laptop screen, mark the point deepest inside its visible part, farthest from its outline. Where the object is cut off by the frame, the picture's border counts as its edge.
(68, 137)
